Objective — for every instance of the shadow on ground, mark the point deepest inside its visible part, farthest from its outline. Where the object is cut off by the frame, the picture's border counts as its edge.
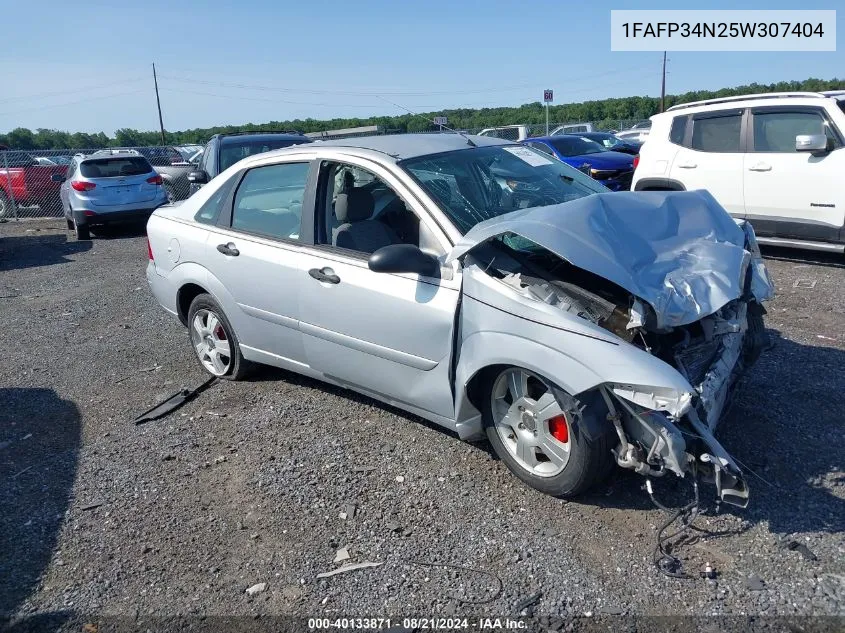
(40, 249)
(815, 258)
(39, 446)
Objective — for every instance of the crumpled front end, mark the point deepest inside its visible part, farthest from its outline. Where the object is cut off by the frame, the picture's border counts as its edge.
(665, 341)
(663, 431)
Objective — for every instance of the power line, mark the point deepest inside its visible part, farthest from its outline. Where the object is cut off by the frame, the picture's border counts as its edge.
(62, 105)
(73, 91)
(505, 88)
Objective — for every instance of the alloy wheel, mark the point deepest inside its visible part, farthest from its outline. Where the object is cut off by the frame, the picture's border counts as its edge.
(530, 422)
(211, 342)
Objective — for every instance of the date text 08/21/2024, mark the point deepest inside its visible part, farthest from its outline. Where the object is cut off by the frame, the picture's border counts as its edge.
(424, 623)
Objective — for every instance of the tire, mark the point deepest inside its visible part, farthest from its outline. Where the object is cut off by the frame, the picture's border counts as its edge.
(69, 223)
(208, 332)
(83, 232)
(5, 206)
(529, 441)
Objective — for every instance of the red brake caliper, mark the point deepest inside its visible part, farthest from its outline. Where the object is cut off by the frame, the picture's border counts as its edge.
(559, 428)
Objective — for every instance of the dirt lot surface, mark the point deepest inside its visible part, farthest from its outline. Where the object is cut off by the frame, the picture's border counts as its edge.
(246, 484)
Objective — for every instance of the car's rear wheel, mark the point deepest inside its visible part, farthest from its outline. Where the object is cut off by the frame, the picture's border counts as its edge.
(537, 430)
(214, 341)
(83, 232)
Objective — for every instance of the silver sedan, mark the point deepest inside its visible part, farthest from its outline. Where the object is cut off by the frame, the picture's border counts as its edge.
(483, 286)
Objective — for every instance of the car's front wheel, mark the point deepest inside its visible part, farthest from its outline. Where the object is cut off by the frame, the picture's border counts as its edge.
(214, 341)
(538, 431)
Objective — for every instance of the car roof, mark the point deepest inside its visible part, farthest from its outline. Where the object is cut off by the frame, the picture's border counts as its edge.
(402, 146)
(234, 139)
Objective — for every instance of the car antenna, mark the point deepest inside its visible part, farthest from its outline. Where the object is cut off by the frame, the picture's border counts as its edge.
(469, 141)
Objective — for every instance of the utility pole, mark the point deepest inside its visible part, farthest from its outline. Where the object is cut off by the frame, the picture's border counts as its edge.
(158, 103)
(663, 84)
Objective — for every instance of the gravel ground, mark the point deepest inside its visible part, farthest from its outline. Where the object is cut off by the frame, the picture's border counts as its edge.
(246, 484)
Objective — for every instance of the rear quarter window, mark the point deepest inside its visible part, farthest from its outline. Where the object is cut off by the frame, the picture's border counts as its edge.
(679, 128)
(114, 167)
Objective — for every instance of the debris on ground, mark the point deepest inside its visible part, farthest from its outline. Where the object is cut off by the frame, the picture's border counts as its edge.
(91, 506)
(341, 555)
(708, 572)
(172, 403)
(363, 469)
(400, 479)
(347, 568)
(258, 588)
(526, 605)
(795, 546)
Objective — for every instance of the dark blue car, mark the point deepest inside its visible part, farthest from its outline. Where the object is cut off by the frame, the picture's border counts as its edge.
(612, 169)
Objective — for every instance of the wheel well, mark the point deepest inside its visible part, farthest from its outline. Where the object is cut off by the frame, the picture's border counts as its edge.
(475, 385)
(185, 297)
(659, 184)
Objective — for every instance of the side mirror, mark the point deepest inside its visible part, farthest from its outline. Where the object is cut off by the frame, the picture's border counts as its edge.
(57, 178)
(198, 177)
(404, 258)
(811, 143)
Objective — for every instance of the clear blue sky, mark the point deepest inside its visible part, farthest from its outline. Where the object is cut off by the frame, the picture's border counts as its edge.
(86, 66)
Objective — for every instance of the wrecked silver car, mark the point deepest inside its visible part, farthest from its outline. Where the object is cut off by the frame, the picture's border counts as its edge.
(485, 287)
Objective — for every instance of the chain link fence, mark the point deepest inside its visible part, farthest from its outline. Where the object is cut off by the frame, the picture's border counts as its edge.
(30, 180)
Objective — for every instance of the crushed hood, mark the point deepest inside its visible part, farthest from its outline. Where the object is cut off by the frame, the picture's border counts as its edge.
(679, 251)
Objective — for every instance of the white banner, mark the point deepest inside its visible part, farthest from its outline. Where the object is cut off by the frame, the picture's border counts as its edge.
(707, 30)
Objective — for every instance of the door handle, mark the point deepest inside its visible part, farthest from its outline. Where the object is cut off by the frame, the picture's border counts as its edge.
(228, 249)
(325, 275)
(760, 167)
(687, 165)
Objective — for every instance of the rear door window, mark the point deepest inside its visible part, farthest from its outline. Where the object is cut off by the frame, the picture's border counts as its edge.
(719, 134)
(679, 128)
(115, 167)
(269, 200)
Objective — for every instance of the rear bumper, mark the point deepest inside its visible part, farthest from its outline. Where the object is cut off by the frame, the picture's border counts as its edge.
(162, 289)
(89, 217)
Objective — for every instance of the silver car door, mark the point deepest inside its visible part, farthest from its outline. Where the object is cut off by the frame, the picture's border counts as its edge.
(252, 255)
(388, 334)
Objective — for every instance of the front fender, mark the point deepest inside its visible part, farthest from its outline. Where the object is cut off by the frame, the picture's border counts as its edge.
(498, 327)
(485, 349)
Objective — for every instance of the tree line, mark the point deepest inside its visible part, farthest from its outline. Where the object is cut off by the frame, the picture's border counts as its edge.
(608, 113)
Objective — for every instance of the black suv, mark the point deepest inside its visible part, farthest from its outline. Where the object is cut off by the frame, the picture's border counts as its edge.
(224, 150)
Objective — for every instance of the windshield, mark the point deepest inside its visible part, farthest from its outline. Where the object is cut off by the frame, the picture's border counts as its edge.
(231, 153)
(575, 145)
(474, 185)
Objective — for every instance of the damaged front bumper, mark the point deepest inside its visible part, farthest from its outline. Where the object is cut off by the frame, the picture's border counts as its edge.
(663, 430)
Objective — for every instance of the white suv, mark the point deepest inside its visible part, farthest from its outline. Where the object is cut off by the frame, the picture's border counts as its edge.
(777, 160)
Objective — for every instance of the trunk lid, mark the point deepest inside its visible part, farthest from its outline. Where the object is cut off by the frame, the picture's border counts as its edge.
(679, 251)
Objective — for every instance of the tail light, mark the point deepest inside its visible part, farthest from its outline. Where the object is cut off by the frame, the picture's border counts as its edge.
(81, 185)
(150, 250)
(154, 180)
(636, 160)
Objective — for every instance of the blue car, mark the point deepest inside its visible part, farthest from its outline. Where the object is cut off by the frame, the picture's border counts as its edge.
(612, 169)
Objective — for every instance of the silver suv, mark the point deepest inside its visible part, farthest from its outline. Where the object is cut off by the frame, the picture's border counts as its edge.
(108, 187)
